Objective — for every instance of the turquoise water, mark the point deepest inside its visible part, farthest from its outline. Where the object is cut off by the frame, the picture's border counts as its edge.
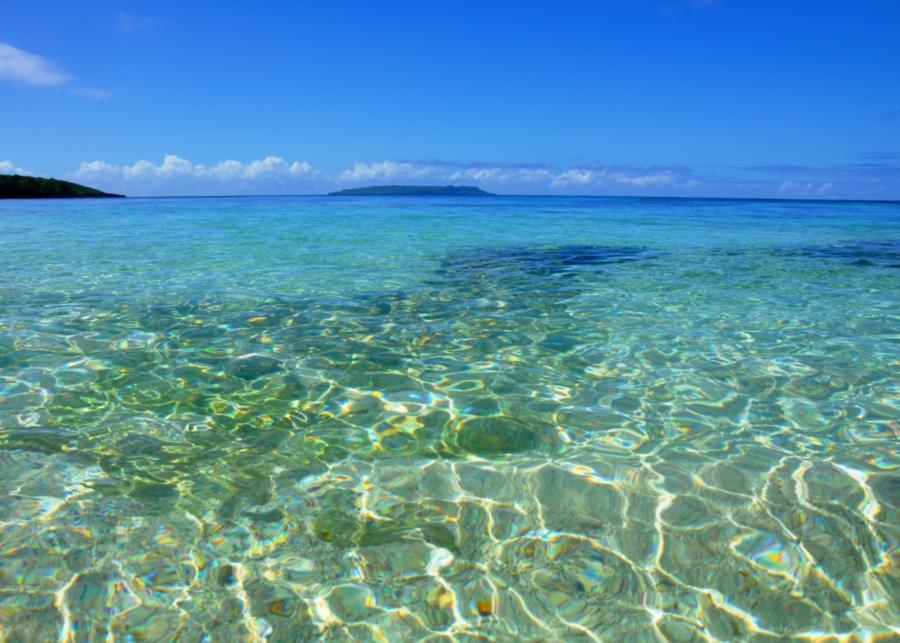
(465, 419)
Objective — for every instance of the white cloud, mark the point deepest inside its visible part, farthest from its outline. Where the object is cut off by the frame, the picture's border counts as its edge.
(385, 170)
(274, 166)
(643, 180)
(534, 175)
(805, 188)
(572, 177)
(441, 172)
(175, 166)
(20, 66)
(602, 176)
(6, 167)
(515, 176)
(595, 176)
(483, 174)
(30, 69)
(176, 175)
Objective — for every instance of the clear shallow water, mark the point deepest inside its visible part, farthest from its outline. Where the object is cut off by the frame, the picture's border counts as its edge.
(386, 419)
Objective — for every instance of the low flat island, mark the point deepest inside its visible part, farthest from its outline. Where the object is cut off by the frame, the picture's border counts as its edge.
(16, 186)
(413, 190)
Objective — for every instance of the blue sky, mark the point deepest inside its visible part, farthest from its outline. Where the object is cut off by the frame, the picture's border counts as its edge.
(665, 97)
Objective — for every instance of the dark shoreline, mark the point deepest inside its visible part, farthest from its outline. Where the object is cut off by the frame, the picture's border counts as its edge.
(16, 186)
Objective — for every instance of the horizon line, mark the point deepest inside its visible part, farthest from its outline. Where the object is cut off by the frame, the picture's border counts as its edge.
(488, 196)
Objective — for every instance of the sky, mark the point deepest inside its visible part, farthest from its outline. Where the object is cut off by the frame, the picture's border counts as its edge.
(727, 98)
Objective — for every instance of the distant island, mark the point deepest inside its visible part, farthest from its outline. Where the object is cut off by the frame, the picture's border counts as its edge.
(15, 186)
(413, 190)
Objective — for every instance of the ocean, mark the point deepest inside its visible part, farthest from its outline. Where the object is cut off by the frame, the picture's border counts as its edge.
(467, 418)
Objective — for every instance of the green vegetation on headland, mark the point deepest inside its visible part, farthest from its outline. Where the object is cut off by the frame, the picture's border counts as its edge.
(413, 190)
(15, 186)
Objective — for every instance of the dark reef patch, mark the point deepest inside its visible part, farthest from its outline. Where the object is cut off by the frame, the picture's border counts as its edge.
(867, 252)
(540, 261)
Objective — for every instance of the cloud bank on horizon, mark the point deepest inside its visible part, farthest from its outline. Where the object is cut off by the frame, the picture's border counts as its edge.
(875, 175)
(179, 176)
